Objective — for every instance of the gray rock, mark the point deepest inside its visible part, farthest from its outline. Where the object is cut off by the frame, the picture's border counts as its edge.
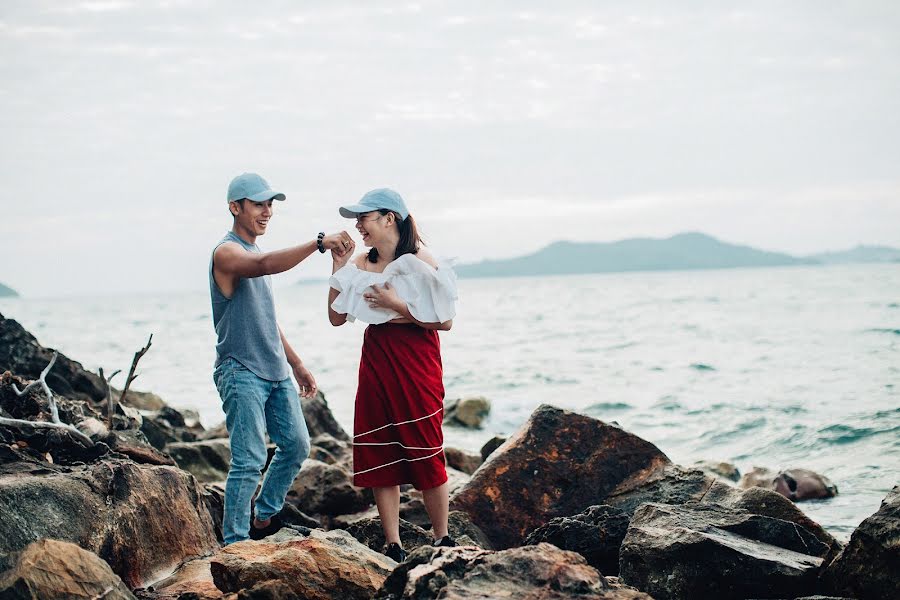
(541, 572)
(326, 489)
(794, 484)
(208, 460)
(869, 567)
(596, 534)
(461, 460)
(715, 552)
(720, 469)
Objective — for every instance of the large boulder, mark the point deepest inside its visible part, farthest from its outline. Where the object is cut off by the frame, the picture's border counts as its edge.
(54, 570)
(326, 489)
(541, 572)
(558, 464)
(322, 565)
(705, 551)
(142, 520)
(869, 567)
(208, 460)
(596, 534)
(21, 354)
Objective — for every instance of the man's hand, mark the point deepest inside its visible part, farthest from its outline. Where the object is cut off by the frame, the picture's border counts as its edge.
(339, 243)
(339, 260)
(306, 381)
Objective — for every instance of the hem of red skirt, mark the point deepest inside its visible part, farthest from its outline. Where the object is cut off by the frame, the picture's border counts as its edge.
(364, 481)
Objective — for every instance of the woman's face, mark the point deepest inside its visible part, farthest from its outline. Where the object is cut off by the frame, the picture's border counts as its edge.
(372, 227)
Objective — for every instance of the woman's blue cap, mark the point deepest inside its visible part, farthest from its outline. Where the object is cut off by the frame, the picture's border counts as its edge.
(375, 200)
(252, 187)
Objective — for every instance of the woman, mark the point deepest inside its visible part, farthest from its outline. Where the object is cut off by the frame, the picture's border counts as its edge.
(406, 297)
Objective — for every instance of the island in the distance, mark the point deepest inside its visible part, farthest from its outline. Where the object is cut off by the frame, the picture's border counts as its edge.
(7, 292)
(680, 252)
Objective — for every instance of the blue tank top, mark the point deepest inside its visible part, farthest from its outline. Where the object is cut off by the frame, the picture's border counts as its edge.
(245, 323)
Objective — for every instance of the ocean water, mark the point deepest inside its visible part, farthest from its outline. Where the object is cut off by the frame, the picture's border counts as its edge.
(777, 367)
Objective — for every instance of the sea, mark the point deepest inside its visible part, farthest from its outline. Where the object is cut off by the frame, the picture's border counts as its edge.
(787, 367)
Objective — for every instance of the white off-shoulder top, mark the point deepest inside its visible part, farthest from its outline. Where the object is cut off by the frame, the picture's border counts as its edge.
(429, 293)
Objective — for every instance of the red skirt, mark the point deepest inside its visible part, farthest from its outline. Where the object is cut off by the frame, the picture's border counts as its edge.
(397, 436)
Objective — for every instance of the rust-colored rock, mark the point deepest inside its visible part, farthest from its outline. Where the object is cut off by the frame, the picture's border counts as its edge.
(54, 570)
(322, 566)
(558, 464)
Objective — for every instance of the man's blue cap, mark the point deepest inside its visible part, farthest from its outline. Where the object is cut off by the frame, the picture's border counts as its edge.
(252, 187)
(375, 200)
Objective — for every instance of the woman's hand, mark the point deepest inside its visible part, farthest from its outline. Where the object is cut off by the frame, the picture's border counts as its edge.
(305, 380)
(341, 256)
(384, 297)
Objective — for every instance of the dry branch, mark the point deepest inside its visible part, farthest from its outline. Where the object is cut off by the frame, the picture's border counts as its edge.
(131, 375)
(54, 410)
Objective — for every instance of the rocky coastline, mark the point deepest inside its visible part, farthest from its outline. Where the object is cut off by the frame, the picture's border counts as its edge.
(567, 507)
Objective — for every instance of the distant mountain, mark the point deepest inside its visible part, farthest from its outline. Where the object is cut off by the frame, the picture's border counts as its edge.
(7, 291)
(860, 254)
(683, 251)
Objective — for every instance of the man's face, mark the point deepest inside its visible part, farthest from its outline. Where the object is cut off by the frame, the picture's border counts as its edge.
(253, 216)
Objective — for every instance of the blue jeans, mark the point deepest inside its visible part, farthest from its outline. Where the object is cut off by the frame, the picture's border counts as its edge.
(253, 406)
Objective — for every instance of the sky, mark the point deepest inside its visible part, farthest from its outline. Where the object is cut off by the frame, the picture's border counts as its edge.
(505, 125)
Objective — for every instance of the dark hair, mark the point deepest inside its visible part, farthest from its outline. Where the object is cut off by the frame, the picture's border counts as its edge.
(410, 240)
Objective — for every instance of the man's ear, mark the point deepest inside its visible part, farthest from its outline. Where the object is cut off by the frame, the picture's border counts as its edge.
(232, 207)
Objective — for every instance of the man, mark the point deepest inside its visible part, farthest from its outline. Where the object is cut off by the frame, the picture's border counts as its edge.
(254, 361)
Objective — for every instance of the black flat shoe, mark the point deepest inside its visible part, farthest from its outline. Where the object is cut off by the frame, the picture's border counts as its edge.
(258, 533)
(445, 542)
(395, 552)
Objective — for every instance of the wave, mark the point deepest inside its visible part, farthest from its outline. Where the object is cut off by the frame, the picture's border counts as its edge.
(883, 330)
(608, 406)
(840, 434)
(702, 367)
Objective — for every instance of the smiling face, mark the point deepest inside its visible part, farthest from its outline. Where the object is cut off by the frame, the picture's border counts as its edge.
(373, 227)
(250, 217)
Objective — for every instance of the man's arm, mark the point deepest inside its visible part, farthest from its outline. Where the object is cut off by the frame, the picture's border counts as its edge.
(304, 378)
(233, 261)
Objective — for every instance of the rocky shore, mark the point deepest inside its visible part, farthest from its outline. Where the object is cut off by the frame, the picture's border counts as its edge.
(129, 505)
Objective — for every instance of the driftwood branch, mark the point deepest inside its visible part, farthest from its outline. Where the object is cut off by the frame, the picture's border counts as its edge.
(54, 410)
(131, 376)
(109, 399)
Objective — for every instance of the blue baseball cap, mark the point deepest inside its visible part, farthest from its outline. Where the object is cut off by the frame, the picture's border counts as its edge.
(375, 200)
(252, 187)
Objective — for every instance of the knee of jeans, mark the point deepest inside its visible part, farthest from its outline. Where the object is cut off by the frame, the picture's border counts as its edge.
(248, 462)
(296, 450)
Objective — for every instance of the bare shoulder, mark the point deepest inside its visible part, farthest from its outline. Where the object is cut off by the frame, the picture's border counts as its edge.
(228, 249)
(425, 255)
(360, 260)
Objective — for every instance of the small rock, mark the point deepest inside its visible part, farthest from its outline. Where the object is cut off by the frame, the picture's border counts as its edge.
(54, 570)
(794, 484)
(469, 412)
(491, 445)
(461, 460)
(722, 470)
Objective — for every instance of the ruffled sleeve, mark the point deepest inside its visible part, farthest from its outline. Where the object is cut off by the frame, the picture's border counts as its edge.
(429, 293)
(351, 282)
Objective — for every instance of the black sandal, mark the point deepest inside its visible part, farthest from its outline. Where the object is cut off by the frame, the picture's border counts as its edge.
(274, 526)
(445, 542)
(395, 552)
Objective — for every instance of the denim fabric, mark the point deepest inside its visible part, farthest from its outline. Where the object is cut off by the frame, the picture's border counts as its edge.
(252, 407)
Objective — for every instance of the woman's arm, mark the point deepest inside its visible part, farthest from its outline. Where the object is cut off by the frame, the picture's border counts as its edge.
(386, 297)
(338, 262)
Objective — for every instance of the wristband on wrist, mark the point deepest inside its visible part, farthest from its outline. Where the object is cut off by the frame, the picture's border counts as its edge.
(319, 243)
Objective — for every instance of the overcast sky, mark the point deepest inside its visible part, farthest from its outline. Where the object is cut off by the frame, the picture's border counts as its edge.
(505, 125)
